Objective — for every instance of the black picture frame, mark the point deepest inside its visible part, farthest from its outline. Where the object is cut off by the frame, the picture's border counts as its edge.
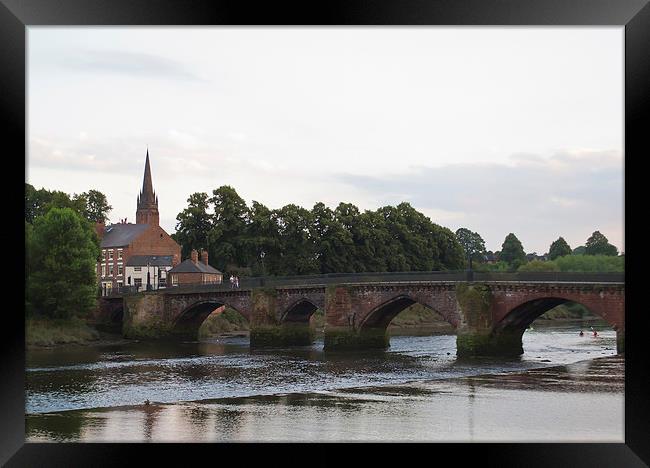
(633, 15)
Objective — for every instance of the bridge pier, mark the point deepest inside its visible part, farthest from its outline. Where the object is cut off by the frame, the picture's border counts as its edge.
(145, 317)
(342, 332)
(266, 331)
(476, 335)
(620, 341)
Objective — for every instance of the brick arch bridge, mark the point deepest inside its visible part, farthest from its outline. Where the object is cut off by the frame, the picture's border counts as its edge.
(490, 312)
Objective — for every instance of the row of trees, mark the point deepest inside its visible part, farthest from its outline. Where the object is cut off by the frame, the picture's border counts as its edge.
(294, 241)
(512, 255)
(61, 250)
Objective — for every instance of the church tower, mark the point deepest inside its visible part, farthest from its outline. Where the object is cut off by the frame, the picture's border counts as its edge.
(147, 212)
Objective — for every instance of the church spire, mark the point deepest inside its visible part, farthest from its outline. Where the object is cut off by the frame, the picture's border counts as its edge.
(147, 184)
(147, 212)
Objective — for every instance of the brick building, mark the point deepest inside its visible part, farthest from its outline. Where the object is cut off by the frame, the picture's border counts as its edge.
(125, 246)
(191, 271)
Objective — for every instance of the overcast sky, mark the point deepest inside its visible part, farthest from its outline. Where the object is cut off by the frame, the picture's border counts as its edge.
(495, 129)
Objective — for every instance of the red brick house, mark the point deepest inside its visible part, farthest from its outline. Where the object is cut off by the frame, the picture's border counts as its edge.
(120, 242)
(191, 271)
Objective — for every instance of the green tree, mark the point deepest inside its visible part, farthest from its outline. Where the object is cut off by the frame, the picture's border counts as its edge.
(472, 243)
(598, 244)
(580, 250)
(193, 224)
(62, 252)
(333, 241)
(94, 205)
(559, 248)
(262, 240)
(298, 254)
(229, 221)
(512, 252)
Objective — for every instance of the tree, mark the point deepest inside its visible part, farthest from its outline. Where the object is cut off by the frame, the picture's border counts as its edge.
(512, 252)
(193, 224)
(472, 243)
(262, 241)
(333, 241)
(62, 252)
(580, 250)
(95, 205)
(559, 248)
(598, 244)
(227, 235)
(92, 204)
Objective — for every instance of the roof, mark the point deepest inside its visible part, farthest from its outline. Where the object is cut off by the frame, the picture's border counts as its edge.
(188, 266)
(152, 260)
(119, 235)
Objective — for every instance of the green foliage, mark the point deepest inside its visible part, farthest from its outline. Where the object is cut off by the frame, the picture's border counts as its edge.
(558, 248)
(579, 250)
(512, 252)
(92, 205)
(598, 244)
(294, 241)
(591, 263)
(62, 250)
(539, 265)
(472, 243)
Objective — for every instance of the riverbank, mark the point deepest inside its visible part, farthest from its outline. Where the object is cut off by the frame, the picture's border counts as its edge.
(46, 333)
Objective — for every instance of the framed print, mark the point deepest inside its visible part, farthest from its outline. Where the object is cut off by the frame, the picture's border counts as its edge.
(371, 224)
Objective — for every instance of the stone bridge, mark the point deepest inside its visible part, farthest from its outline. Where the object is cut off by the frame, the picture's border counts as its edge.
(490, 312)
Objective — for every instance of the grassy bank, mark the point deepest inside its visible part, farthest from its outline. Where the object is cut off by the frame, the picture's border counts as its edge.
(42, 332)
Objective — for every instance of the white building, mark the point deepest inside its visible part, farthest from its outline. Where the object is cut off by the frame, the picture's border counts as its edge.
(143, 270)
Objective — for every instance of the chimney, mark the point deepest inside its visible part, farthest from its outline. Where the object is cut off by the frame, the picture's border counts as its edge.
(175, 260)
(99, 228)
(204, 256)
(195, 256)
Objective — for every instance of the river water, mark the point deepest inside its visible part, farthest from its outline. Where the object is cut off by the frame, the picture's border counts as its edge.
(564, 388)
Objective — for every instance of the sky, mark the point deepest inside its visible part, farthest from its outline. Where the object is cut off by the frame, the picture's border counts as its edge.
(496, 129)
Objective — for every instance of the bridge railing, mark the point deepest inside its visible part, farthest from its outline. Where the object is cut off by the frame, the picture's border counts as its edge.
(390, 277)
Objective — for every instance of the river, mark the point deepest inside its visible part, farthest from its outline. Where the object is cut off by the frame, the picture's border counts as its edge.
(564, 388)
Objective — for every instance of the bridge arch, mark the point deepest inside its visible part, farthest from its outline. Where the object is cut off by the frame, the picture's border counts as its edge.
(521, 315)
(380, 317)
(299, 312)
(189, 320)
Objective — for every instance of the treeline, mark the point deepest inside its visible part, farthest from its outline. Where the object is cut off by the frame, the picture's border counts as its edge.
(61, 251)
(597, 255)
(292, 240)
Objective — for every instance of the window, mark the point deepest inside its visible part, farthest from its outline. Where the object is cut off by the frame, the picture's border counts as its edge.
(174, 279)
(110, 254)
(162, 282)
(119, 254)
(103, 270)
(110, 270)
(119, 270)
(137, 268)
(137, 281)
